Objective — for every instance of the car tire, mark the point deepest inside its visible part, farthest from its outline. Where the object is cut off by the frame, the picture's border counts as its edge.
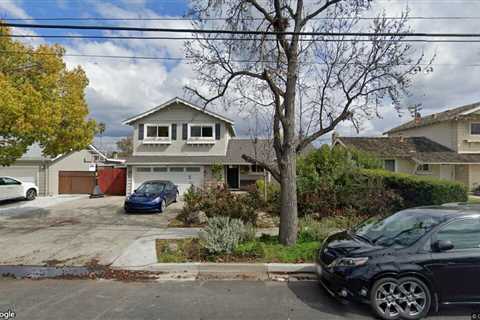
(391, 298)
(163, 206)
(420, 297)
(383, 310)
(31, 194)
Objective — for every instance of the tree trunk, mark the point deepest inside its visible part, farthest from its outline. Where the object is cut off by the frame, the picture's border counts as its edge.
(288, 199)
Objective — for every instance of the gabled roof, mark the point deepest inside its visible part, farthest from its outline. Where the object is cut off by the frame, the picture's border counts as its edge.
(393, 146)
(172, 101)
(419, 149)
(463, 112)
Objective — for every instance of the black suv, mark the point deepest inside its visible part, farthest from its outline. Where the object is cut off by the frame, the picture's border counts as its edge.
(407, 263)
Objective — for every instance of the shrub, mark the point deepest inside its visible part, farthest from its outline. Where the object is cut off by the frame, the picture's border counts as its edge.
(311, 229)
(272, 202)
(220, 202)
(249, 233)
(222, 234)
(420, 191)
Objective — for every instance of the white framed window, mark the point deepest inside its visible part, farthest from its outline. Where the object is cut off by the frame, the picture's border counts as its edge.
(158, 132)
(475, 128)
(176, 169)
(201, 132)
(160, 169)
(424, 168)
(144, 169)
(255, 169)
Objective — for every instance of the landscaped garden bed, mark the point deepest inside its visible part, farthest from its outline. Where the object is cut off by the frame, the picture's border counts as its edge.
(336, 190)
(263, 250)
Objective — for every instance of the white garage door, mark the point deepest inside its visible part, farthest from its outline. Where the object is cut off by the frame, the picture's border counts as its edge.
(182, 176)
(25, 174)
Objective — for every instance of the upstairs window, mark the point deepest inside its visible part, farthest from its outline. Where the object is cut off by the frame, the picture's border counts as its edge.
(475, 128)
(157, 132)
(201, 131)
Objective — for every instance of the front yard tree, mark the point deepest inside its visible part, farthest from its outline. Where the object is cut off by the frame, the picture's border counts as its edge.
(40, 101)
(333, 78)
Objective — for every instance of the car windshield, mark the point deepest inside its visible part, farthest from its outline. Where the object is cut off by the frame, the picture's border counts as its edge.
(151, 187)
(402, 228)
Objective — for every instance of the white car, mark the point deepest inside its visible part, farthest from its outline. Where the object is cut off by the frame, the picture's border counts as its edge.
(11, 188)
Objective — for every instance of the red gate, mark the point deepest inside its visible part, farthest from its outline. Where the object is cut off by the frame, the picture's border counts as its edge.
(112, 181)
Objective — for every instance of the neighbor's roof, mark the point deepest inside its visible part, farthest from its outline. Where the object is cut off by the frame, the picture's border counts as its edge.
(464, 112)
(261, 150)
(419, 149)
(180, 101)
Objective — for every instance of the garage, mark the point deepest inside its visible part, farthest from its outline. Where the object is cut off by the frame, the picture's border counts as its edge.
(182, 176)
(22, 173)
(76, 182)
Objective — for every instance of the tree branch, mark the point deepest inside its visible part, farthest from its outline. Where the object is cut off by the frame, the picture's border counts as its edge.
(275, 173)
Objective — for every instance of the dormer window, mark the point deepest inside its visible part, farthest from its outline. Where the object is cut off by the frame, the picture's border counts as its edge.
(201, 133)
(157, 133)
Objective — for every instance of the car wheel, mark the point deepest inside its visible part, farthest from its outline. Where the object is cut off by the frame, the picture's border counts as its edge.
(31, 194)
(383, 298)
(415, 299)
(407, 298)
(163, 205)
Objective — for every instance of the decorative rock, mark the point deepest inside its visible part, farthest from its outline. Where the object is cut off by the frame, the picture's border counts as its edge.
(197, 217)
(172, 247)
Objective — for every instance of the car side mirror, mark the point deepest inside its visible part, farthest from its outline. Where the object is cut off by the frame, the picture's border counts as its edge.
(442, 245)
(134, 190)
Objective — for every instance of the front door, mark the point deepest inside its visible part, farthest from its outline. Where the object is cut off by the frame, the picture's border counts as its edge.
(233, 177)
(456, 271)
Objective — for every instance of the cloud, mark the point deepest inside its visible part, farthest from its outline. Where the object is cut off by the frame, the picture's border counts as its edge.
(12, 10)
(121, 88)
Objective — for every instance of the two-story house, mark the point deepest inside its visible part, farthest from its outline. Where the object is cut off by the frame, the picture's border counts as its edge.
(183, 143)
(445, 145)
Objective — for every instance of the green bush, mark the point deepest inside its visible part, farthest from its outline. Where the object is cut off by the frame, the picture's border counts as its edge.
(272, 202)
(222, 234)
(311, 229)
(419, 191)
(220, 202)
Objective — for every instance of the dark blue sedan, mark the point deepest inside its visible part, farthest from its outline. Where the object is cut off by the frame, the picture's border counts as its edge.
(151, 196)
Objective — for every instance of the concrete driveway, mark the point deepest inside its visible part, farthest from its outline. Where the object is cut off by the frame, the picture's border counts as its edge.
(73, 230)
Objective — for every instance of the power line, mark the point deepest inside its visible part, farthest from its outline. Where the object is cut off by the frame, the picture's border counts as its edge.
(230, 39)
(191, 59)
(225, 18)
(242, 32)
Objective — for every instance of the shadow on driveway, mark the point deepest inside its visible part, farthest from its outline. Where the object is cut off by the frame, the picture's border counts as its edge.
(313, 295)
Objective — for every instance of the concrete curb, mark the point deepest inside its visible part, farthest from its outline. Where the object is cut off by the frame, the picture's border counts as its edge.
(200, 269)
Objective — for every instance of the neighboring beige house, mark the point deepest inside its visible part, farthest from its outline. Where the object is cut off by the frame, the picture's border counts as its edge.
(445, 145)
(75, 170)
(181, 142)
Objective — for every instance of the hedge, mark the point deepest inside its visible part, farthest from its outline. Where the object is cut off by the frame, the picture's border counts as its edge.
(420, 191)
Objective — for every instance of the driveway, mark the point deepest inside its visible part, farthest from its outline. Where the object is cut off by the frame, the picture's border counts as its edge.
(73, 230)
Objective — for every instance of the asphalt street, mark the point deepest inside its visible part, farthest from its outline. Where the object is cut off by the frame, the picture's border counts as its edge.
(88, 299)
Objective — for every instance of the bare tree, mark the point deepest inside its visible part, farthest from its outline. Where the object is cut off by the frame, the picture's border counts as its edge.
(334, 78)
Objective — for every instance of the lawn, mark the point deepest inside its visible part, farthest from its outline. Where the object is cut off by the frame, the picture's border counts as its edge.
(266, 249)
(474, 199)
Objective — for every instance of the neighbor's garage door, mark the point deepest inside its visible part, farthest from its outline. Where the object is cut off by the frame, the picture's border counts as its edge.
(183, 177)
(25, 174)
(76, 182)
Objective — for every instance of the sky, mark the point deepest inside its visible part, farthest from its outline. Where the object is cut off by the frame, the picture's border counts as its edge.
(120, 88)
